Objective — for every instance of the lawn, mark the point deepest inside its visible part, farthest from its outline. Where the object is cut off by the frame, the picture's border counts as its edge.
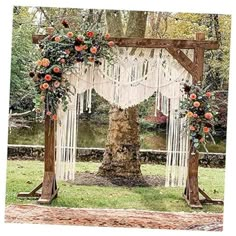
(25, 175)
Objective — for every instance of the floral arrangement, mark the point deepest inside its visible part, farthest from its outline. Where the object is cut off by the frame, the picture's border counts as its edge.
(59, 52)
(200, 108)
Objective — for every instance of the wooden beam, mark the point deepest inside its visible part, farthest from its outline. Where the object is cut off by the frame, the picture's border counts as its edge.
(183, 59)
(154, 43)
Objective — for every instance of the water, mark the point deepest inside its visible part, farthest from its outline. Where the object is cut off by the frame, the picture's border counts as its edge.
(94, 135)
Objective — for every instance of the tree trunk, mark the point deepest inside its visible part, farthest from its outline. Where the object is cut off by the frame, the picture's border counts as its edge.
(121, 157)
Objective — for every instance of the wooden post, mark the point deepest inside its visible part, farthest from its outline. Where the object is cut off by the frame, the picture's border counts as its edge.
(49, 187)
(191, 192)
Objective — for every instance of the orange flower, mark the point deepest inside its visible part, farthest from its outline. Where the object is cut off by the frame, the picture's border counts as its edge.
(91, 59)
(57, 39)
(49, 113)
(107, 36)
(196, 104)
(45, 62)
(90, 34)
(206, 129)
(111, 43)
(192, 128)
(79, 48)
(54, 117)
(193, 96)
(70, 34)
(48, 77)
(208, 94)
(39, 62)
(56, 69)
(93, 50)
(208, 116)
(189, 114)
(41, 87)
(45, 85)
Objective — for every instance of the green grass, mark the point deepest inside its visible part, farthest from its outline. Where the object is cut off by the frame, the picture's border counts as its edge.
(25, 175)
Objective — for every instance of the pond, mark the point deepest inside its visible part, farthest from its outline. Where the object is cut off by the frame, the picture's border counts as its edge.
(94, 135)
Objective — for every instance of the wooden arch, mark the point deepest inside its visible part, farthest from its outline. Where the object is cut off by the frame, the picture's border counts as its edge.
(195, 68)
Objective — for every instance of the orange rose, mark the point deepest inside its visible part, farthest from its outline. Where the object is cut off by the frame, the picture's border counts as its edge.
(45, 85)
(41, 87)
(189, 114)
(48, 77)
(45, 62)
(79, 48)
(57, 39)
(39, 62)
(85, 47)
(196, 104)
(206, 129)
(54, 117)
(70, 34)
(93, 50)
(111, 43)
(90, 34)
(193, 96)
(208, 116)
(56, 69)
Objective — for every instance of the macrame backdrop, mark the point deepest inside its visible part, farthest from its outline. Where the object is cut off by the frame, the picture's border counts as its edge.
(136, 75)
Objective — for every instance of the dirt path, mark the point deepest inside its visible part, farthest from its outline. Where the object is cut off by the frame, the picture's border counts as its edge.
(113, 218)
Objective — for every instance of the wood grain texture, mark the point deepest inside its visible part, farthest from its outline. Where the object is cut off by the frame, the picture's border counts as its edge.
(154, 43)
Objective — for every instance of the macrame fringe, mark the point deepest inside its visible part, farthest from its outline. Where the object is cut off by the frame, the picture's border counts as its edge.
(137, 75)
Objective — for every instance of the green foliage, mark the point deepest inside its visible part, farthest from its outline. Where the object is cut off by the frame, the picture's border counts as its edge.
(60, 51)
(201, 112)
(23, 56)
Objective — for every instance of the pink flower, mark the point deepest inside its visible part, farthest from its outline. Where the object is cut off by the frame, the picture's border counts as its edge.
(56, 84)
(69, 34)
(57, 39)
(196, 104)
(111, 43)
(193, 96)
(195, 115)
(208, 115)
(192, 128)
(208, 94)
(93, 50)
(48, 113)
